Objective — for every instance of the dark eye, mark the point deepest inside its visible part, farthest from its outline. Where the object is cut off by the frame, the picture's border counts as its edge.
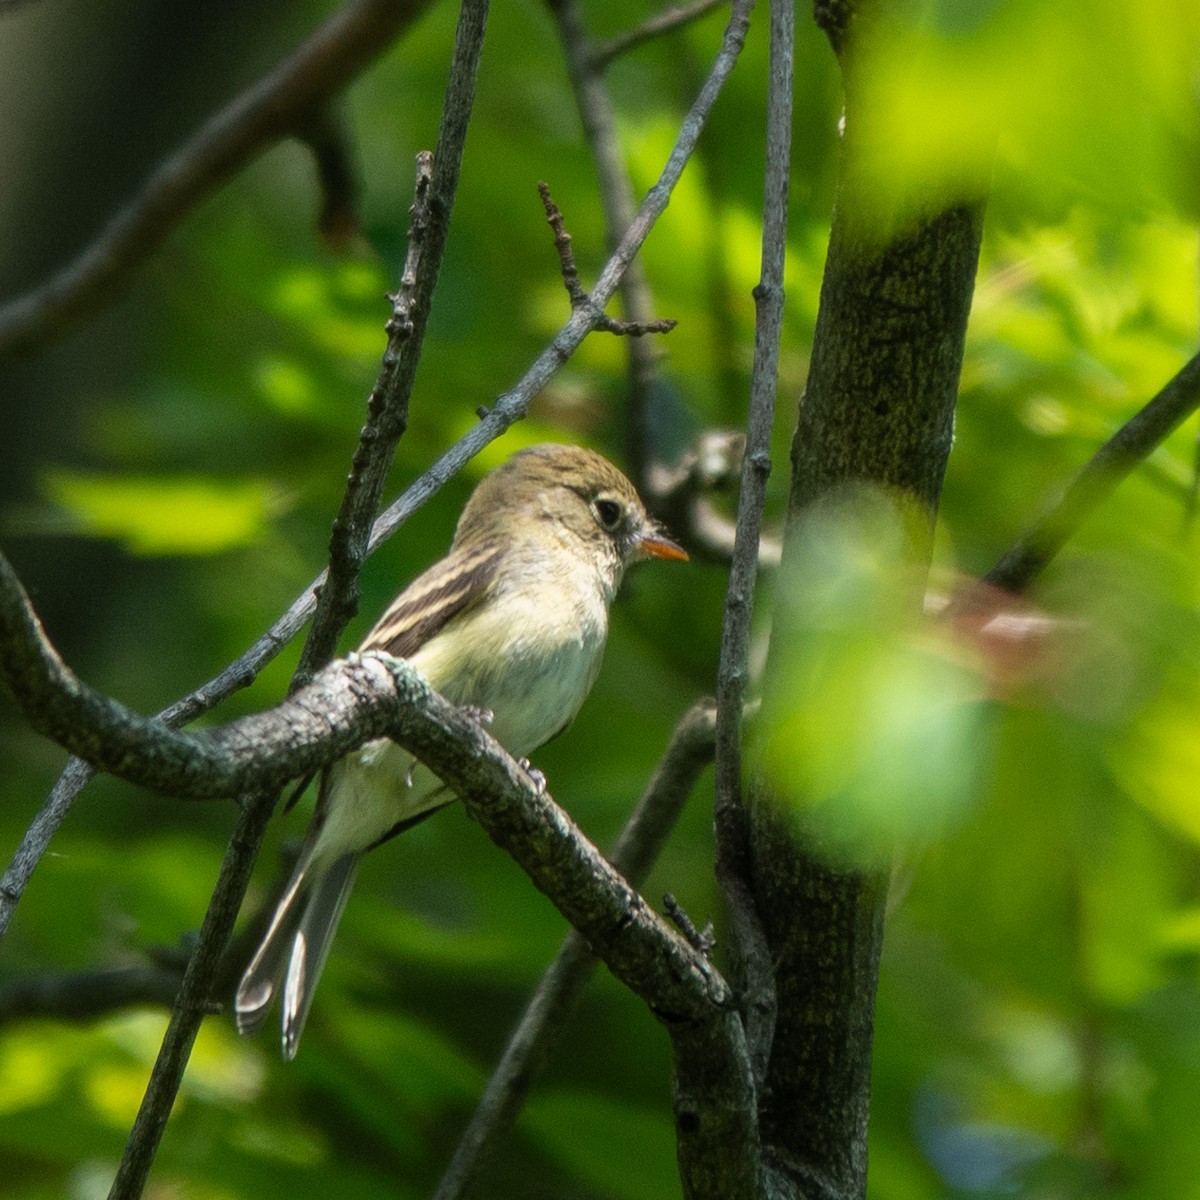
(608, 513)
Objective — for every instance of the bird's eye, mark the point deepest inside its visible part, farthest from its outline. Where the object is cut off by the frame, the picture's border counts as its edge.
(608, 513)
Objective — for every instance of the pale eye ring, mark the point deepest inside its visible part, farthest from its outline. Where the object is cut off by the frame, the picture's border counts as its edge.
(608, 512)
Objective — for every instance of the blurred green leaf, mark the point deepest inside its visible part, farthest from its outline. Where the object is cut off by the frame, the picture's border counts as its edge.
(167, 516)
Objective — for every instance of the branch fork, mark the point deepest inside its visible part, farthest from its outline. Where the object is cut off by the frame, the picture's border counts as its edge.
(580, 300)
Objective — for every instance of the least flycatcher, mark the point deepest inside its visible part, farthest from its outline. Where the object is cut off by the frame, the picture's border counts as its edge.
(512, 621)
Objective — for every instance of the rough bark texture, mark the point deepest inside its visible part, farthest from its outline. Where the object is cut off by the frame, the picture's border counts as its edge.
(878, 409)
(879, 405)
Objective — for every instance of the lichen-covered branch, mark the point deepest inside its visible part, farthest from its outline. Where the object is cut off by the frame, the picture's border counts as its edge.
(342, 707)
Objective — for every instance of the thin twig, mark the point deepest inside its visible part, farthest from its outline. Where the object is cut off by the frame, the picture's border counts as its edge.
(751, 956)
(668, 21)
(618, 203)
(387, 419)
(268, 111)
(1125, 450)
(570, 276)
(689, 750)
(192, 1003)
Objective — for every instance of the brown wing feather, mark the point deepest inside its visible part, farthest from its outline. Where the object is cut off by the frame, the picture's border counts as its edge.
(433, 599)
(452, 586)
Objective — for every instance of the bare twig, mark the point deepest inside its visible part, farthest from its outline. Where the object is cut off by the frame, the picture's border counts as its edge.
(750, 953)
(575, 290)
(1125, 450)
(689, 750)
(618, 204)
(387, 418)
(273, 108)
(668, 21)
(191, 1003)
(38, 836)
(387, 410)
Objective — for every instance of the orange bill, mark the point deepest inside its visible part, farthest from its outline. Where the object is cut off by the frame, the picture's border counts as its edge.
(658, 545)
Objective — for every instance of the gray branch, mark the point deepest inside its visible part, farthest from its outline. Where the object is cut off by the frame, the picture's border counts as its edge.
(345, 705)
(373, 696)
(387, 410)
(603, 54)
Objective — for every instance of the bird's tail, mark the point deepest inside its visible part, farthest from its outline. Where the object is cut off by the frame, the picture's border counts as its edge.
(295, 947)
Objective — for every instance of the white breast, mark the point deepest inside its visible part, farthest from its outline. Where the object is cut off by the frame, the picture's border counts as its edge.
(530, 655)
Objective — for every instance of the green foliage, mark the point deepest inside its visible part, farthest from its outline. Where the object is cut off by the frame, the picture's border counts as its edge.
(1040, 996)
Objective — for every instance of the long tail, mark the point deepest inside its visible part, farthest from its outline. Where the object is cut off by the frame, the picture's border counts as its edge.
(295, 947)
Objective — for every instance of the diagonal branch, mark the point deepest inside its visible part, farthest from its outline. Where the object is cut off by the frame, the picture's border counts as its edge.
(387, 410)
(375, 695)
(617, 202)
(336, 712)
(1108, 467)
(688, 752)
(275, 107)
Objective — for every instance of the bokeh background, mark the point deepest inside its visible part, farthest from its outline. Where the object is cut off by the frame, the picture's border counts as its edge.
(168, 473)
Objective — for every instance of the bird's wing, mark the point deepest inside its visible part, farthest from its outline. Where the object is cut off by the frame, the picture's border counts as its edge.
(449, 588)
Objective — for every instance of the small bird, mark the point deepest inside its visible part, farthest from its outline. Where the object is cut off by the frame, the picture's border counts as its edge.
(512, 622)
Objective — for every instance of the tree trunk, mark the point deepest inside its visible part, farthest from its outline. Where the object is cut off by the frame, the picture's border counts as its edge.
(878, 410)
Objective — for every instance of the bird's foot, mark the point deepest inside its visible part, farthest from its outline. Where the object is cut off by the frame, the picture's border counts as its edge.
(481, 716)
(536, 777)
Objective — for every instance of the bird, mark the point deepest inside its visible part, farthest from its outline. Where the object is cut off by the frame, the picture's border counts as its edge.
(511, 624)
